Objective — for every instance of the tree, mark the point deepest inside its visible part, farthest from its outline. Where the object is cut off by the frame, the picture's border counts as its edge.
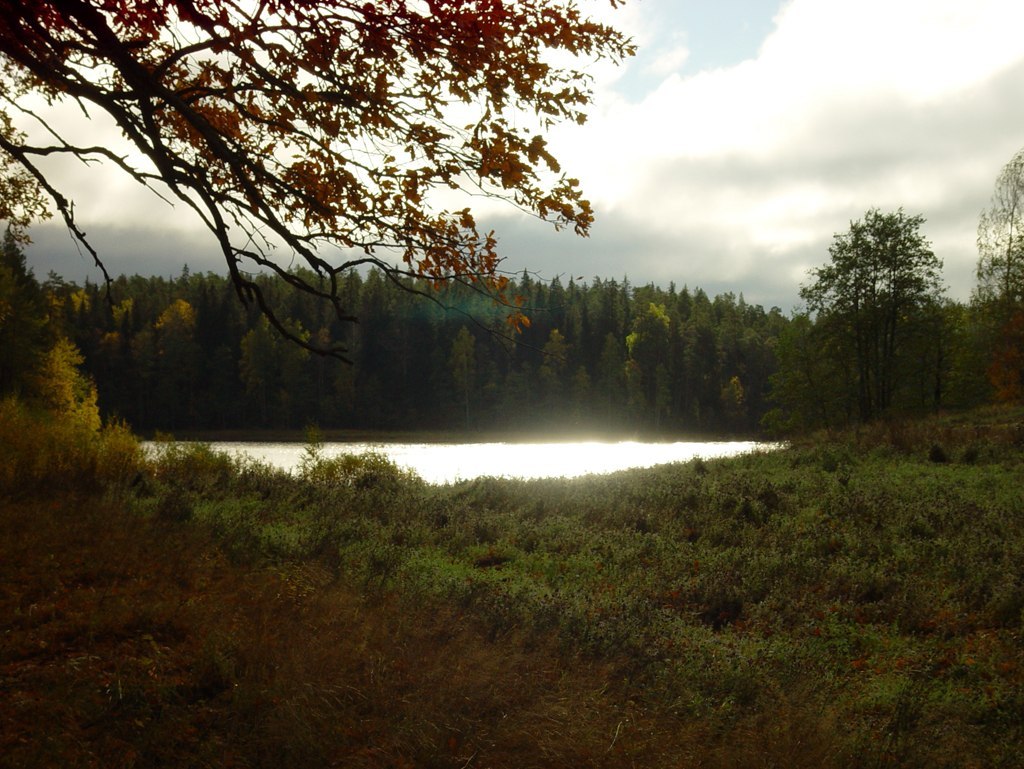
(1000, 289)
(64, 389)
(611, 376)
(463, 365)
(1006, 371)
(272, 371)
(37, 362)
(178, 360)
(882, 279)
(733, 403)
(327, 128)
(647, 344)
(551, 373)
(812, 386)
(24, 335)
(21, 198)
(967, 384)
(1001, 240)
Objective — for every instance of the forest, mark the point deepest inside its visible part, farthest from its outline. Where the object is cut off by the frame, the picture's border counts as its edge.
(349, 301)
(183, 355)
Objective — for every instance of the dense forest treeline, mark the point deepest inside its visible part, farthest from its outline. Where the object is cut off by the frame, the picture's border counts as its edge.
(184, 354)
(876, 338)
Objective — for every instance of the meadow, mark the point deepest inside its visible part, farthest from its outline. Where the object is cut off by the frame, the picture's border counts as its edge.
(852, 600)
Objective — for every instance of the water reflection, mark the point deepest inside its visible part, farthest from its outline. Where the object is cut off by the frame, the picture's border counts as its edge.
(449, 462)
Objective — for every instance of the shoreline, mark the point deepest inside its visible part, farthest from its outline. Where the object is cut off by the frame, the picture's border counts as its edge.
(441, 436)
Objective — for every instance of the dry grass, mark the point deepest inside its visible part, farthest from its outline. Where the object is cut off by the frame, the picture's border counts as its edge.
(134, 643)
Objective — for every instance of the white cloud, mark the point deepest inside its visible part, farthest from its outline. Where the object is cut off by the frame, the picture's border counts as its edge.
(922, 49)
(101, 193)
(738, 177)
(668, 61)
(848, 106)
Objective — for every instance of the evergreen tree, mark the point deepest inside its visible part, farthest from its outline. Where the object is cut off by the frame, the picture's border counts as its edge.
(24, 333)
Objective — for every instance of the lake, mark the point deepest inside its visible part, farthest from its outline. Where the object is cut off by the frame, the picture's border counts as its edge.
(449, 462)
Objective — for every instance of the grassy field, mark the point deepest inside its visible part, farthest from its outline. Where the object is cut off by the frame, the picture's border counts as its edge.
(850, 601)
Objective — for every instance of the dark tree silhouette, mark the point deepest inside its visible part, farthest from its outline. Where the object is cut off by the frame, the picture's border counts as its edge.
(882, 279)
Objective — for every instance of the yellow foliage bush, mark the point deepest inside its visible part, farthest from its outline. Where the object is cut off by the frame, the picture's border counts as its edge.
(64, 389)
(45, 451)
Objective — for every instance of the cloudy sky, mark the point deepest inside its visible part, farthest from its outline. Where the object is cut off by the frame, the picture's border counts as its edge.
(730, 150)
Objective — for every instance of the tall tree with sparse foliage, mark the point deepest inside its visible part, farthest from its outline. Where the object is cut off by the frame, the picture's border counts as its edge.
(1000, 289)
(1001, 240)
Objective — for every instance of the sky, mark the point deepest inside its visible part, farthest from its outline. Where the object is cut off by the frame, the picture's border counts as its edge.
(727, 154)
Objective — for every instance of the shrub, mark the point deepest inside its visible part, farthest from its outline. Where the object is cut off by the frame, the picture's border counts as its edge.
(193, 467)
(119, 456)
(43, 452)
(369, 470)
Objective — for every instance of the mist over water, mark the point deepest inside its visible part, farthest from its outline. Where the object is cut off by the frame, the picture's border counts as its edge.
(450, 462)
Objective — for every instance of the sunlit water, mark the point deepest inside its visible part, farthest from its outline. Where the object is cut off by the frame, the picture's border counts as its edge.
(450, 462)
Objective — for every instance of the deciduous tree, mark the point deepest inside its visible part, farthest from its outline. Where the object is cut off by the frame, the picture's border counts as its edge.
(646, 368)
(813, 386)
(333, 131)
(882, 277)
(64, 389)
(21, 198)
(1000, 289)
(1001, 239)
